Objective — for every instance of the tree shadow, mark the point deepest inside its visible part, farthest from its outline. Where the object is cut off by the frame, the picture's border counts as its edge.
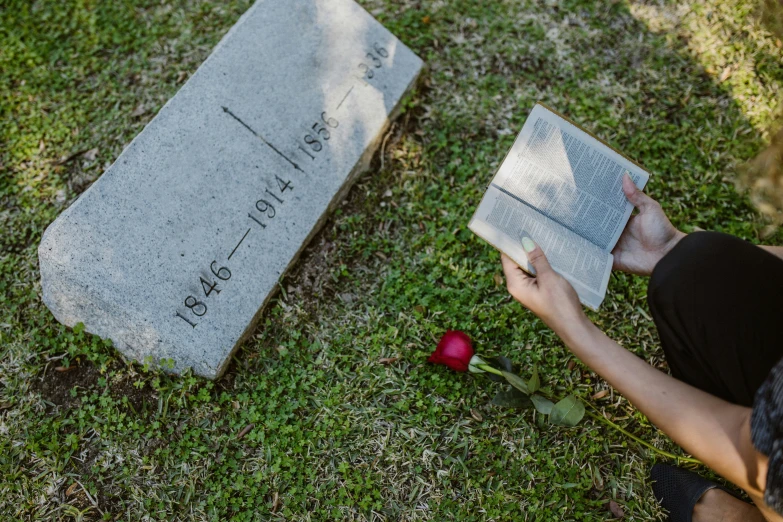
(770, 13)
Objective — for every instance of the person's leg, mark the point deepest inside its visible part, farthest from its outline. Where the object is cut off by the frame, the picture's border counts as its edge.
(719, 505)
(717, 302)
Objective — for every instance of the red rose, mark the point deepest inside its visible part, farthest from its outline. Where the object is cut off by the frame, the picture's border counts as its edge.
(454, 350)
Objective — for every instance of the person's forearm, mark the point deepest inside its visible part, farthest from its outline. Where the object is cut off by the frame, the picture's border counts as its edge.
(774, 250)
(713, 430)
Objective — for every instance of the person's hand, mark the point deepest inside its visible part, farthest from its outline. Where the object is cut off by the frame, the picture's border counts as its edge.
(648, 237)
(548, 294)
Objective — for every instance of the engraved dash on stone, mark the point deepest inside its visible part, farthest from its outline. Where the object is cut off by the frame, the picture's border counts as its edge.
(345, 97)
(240, 242)
(266, 142)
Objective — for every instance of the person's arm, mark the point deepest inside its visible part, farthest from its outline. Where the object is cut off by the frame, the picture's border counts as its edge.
(715, 431)
(774, 250)
(712, 429)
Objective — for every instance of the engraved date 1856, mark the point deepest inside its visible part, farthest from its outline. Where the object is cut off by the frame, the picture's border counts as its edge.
(313, 141)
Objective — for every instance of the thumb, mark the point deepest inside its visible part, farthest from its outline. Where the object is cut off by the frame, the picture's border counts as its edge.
(536, 257)
(637, 198)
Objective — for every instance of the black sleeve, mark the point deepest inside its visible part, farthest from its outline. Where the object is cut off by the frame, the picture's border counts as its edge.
(766, 432)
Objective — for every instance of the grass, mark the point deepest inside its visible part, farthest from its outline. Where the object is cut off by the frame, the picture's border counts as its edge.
(688, 89)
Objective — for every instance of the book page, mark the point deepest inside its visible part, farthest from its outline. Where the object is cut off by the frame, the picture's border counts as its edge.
(503, 220)
(570, 177)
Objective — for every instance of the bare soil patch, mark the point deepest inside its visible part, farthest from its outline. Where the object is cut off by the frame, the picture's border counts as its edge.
(55, 386)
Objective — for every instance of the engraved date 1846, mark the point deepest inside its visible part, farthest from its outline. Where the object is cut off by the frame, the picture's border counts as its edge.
(265, 208)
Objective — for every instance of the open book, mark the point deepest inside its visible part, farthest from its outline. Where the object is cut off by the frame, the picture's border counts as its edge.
(561, 187)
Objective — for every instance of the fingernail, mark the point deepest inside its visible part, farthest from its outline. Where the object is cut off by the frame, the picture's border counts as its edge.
(528, 244)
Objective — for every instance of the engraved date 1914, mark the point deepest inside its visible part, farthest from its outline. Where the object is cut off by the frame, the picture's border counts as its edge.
(312, 142)
(265, 209)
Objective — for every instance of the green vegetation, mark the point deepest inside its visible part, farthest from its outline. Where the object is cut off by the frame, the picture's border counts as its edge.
(339, 434)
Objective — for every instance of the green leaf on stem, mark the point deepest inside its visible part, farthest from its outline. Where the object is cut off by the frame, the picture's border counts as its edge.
(567, 412)
(511, 399)
(542, 404)
(517, 382)
(534, 383)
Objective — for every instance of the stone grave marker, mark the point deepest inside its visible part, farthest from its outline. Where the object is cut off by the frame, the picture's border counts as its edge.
(175, 250)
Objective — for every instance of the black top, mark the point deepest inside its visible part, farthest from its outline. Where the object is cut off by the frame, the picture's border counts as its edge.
(766, 432)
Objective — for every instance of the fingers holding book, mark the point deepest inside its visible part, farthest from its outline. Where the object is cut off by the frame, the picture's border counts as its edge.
(579, 213)
(548, 295)
(634, 194)
(648, 236)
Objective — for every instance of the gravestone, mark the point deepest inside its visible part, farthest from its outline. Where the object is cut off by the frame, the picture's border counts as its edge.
(175, 250)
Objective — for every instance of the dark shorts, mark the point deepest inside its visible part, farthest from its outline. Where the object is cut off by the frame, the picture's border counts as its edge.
(717, 301)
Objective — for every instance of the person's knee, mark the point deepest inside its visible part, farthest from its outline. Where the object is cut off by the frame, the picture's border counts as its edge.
(688, 263)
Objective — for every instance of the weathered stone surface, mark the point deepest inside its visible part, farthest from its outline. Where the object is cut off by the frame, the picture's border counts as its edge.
(235, 171)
